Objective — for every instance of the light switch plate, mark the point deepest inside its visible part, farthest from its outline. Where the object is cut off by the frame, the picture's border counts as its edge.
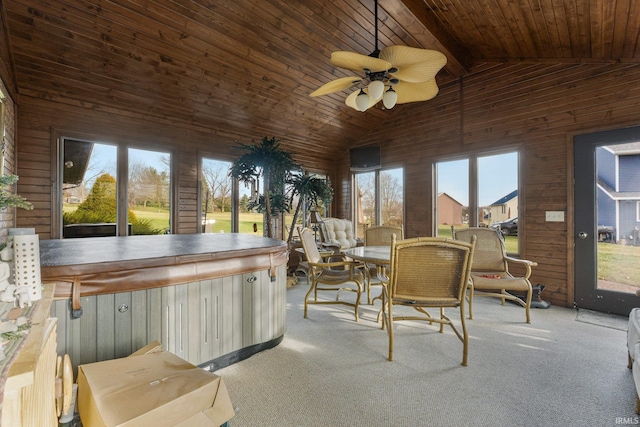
(555, 216)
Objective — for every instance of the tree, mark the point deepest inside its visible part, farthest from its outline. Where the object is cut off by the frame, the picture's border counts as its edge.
(390, 199)
(147, 185)
(218, 187)
(101, 206)
(267, 160)
(366, 188)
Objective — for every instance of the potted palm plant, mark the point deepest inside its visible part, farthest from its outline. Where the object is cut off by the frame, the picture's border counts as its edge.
(274, 165)
(310, 190)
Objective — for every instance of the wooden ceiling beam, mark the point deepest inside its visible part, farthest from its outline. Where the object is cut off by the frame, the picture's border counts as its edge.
(415, 17)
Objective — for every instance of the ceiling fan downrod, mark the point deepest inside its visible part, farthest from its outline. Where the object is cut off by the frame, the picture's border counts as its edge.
(376, 52)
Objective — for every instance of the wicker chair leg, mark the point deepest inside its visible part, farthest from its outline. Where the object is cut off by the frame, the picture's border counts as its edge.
(306, 298)
(471, 290)
(390, 331)
(527, 306)
(465, 338)
(367, 283)
(359, 292)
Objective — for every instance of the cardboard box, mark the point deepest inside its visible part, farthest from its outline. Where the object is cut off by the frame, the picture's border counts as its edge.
(152, 347)
(154, 389)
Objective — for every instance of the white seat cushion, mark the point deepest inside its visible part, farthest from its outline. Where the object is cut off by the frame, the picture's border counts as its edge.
(339, 232)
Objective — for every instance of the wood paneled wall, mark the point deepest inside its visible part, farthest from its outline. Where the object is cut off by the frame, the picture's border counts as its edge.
(7, 216)
(536, 108)
(43, 121)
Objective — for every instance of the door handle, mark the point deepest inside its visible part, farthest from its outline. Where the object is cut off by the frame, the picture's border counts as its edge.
(582, 235)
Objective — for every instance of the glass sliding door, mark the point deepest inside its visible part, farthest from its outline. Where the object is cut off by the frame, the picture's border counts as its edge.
(88, 178)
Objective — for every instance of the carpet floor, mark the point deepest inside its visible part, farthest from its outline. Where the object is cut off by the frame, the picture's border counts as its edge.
(329, 370)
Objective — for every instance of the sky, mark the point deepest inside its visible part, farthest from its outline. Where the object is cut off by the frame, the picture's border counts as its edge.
(104, 157)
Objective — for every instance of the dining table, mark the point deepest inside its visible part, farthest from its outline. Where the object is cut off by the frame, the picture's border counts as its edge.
(377, 255)
(372, 256)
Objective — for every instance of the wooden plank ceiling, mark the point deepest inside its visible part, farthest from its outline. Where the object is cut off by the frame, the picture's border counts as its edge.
(247, 67)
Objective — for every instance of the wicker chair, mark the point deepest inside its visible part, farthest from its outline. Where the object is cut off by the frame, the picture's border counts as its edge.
(329, 276)
(490, 274)
(379, 235)
(428, 272)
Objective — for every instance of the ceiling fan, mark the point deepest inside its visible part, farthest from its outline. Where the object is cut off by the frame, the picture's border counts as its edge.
(395, 75)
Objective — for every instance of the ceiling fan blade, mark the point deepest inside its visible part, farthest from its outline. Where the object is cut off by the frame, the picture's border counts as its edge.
(351, 100)
(413, 92)
(336, 86)
(358, 62)
(414, 65)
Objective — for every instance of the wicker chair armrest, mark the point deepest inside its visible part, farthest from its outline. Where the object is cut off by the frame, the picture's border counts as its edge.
(332, 247)
(332, 264)
(528, 264)
(521, 261)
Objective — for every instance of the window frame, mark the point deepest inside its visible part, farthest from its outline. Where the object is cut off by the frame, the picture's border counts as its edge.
(474, 189)
(235, 191)
(377, 195)
(122, 173)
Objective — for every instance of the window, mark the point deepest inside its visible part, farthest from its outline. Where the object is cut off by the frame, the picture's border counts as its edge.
(250, 221)
(216, 207)
(378, 198)
(149, 191)
(365, 200)
(101, 192)
(391, 194)
(452, 195)
(492, 202)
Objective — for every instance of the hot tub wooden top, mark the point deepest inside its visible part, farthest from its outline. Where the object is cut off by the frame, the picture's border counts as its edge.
(135, 262)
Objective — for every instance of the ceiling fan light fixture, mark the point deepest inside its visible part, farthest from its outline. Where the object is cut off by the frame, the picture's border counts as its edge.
(362, 101)
(390, 98)
(411, 71)
(376, 88)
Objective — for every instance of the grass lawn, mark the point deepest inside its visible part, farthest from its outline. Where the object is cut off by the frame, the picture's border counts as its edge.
(160, 219)
(619, 263)
(223, 222)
